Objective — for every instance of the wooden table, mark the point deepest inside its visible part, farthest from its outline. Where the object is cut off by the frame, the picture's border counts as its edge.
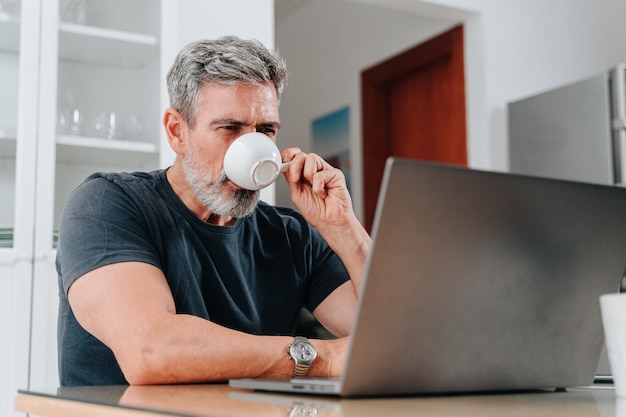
(217, 400)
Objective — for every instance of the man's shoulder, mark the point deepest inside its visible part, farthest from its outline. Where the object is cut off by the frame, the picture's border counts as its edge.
(130, 191)
(125, 178)
(120, 182)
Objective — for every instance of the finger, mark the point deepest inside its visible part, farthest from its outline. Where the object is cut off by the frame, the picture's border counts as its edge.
(318, 184)
(313, 164)
(289, 153)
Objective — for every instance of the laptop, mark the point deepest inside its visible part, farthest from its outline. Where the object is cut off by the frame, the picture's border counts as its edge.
(479, 281)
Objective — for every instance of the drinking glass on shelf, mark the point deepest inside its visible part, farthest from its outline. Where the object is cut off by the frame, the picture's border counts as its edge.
(63, 122)
(73, 11)
(106, 125)
(111, 130)
(99, 126)
(75, 122)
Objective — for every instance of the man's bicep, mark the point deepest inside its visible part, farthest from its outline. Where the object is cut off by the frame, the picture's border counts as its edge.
(336, 312)
(115, 301)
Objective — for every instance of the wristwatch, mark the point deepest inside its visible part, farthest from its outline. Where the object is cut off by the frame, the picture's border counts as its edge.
(303, 354)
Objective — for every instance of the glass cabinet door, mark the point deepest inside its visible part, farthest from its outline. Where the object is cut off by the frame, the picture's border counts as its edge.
(108, 103)
(9, 81)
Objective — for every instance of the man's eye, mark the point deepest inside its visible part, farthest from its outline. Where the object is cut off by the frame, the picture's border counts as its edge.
(267, 131)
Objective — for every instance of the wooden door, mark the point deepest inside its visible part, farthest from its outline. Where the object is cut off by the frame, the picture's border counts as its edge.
(414, 107)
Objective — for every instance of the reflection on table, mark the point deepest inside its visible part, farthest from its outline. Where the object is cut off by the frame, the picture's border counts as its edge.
(219, 400)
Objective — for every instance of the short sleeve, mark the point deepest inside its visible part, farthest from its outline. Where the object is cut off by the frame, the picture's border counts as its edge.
(101, 225)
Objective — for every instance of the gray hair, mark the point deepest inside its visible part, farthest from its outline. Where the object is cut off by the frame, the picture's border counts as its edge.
(228, 61)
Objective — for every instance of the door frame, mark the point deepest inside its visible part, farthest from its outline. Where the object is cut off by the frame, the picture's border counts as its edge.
(374, 81)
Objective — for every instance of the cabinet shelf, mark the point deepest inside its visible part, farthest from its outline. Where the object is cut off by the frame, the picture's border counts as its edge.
(96, 45)
(86, 150)
(9, 33)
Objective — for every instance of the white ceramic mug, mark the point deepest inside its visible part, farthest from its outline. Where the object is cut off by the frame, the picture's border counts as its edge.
(253, 161)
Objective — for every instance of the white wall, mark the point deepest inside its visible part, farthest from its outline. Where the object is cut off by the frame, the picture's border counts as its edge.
(513, 48)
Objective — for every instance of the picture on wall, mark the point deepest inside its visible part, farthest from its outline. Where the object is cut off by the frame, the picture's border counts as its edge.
(331, 139)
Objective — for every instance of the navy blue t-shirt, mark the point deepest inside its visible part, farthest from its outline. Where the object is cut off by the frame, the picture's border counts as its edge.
(254, 276)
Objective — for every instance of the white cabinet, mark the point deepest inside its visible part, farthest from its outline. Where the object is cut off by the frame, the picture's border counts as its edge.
(99, 110)
(97, 101)
(107, 59)
(79, 93)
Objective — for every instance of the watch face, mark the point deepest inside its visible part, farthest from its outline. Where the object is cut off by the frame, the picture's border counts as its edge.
(302, 351)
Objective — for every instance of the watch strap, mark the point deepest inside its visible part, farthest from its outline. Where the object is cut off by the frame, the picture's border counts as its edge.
(301, 370)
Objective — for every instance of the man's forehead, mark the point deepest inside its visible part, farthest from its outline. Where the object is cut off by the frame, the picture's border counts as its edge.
(239, 89)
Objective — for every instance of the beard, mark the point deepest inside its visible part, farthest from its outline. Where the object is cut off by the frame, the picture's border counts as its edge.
(213, 191)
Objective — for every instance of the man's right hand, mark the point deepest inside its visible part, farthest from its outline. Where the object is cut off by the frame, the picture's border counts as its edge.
(331, 357)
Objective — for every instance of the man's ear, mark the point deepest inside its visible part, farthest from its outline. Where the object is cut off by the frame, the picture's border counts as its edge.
(176, 130)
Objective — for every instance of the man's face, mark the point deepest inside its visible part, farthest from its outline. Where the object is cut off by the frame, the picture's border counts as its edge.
(223, 114)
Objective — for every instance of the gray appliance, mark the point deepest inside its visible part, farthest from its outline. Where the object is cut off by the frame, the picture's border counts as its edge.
(574, 132)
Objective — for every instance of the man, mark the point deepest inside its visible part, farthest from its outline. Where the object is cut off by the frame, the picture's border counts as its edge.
(179, 275)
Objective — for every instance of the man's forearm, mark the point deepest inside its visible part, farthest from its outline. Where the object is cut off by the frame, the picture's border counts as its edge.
(190, 349)
(351, 243)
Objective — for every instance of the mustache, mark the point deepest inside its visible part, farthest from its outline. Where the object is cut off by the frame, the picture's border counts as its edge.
(240, 192)
(245, 193)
